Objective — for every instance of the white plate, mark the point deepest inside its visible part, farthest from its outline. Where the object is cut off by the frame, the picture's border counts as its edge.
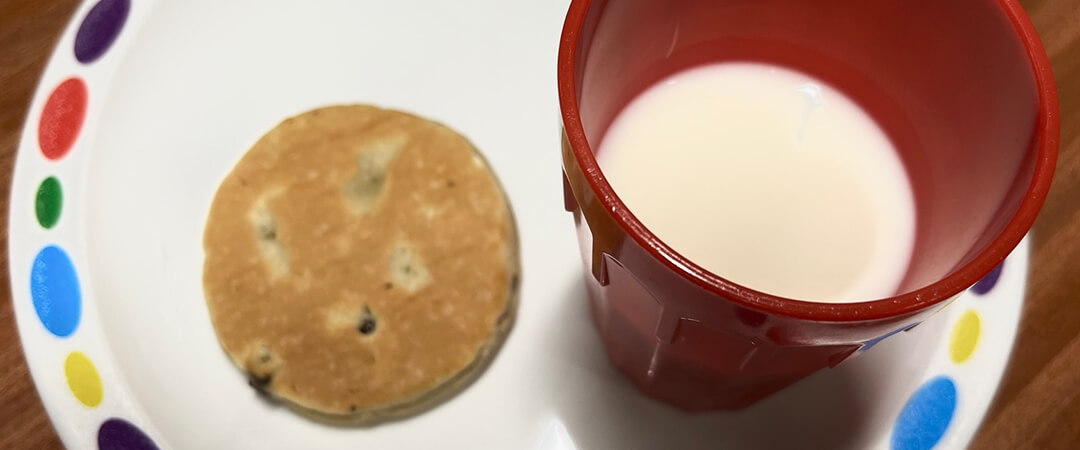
(188, 86)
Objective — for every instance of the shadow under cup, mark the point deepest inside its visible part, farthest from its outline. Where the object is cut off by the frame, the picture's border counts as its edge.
(963, 89)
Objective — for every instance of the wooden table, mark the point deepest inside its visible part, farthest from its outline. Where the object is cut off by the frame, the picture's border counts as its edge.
(1037, 407)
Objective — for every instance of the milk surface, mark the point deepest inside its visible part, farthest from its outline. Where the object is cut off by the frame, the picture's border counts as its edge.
(767, 177)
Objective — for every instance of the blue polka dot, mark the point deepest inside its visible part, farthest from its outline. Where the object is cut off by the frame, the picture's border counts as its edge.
(926, 416)
(989, 281)
(54, 288)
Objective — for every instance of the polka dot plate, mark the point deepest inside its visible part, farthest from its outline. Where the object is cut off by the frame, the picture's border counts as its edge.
(146, 105)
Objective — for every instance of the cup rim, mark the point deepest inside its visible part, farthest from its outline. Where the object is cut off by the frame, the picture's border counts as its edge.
(1044, 143)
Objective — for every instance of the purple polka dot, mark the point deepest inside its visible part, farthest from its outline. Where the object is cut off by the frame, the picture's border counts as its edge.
(988, 282)
(100, 28)
(119, 434)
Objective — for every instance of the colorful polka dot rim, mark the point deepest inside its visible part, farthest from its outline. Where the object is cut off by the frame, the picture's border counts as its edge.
(54, 288)
(48, 202)
(100, 28)
(926, 416)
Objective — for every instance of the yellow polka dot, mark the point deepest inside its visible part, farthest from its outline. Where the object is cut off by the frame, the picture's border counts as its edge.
(83, 379)
(965, 334)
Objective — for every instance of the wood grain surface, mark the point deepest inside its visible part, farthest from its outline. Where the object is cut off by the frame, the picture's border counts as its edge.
(1037, 407)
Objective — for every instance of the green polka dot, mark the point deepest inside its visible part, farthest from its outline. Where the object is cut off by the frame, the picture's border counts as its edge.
(49, 202)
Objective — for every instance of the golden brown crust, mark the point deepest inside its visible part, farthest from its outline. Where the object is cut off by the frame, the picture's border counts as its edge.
(361, 263)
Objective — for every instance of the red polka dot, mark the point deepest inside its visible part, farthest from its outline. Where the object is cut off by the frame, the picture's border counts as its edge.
(62, 118)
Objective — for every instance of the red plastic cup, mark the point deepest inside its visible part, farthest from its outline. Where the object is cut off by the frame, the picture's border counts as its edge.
(964, 90)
